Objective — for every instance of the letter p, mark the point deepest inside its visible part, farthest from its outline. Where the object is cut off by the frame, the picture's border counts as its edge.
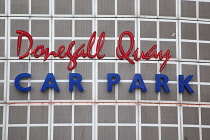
(111, 82)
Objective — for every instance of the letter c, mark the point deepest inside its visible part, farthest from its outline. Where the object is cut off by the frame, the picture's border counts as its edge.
(17, 82)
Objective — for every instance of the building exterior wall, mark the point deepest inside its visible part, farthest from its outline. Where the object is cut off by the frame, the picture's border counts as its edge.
(181, 26)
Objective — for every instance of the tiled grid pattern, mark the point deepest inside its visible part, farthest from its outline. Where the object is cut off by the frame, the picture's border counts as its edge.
(181, 26)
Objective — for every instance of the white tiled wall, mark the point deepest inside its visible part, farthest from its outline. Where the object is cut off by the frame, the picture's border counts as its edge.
(182, 26)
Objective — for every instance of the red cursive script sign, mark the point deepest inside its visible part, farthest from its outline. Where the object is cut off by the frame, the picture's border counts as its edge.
(62, 53)
(40, 50)
(148, 55)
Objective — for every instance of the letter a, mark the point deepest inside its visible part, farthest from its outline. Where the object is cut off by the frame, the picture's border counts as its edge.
(137, 78)
(50, 77)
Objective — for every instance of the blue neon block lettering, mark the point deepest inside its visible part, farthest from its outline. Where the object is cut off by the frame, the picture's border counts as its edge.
(75, 79)
(110, 80)
(137, 78)
(50, 77)
(161, 80)
(185, 83)
(17, 82)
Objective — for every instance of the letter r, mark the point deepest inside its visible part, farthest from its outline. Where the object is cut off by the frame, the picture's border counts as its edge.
(161, 80)
(75, 79)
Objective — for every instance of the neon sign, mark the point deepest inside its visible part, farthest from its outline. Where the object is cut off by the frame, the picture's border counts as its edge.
(62, 52)
(112, 78)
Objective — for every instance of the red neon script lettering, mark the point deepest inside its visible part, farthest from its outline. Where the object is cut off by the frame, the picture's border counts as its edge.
(121, 54)
(61, 50)
(81, 52)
